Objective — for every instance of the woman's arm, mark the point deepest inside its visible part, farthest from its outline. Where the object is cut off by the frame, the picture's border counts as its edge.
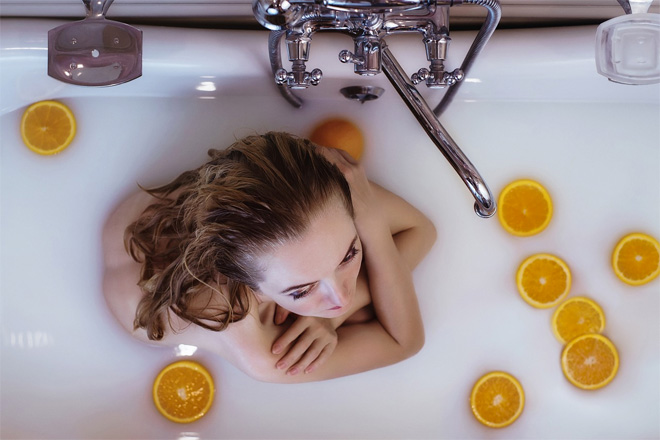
(414, 234)
(397, 332)
(390, 279)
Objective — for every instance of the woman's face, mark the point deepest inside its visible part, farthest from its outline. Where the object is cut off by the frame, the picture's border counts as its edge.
(316, 275)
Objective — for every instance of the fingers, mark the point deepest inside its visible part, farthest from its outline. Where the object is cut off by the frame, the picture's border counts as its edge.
(306, 344)
(349, 167)
(329, 153)
(338, 157)
(310, 357)
(296, 352)
(310, 347)
(353, 172)
(320, 359)
(350, 159)
(338, 154)
(290, 335)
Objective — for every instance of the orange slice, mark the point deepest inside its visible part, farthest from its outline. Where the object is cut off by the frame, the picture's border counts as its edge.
(339, 133)
(524, 207)
(48, 127)
(576, 317)
(636, 259)
(183, 391)
(590, 361)
(497, 399)
(543, 280)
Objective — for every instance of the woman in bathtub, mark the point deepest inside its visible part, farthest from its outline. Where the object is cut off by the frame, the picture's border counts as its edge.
(278, 255)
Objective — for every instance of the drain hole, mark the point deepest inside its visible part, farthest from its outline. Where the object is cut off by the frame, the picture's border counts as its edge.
(362, 93)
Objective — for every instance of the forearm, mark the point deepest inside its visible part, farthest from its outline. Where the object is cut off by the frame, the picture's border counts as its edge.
(414, 234)
(391, 286)
(414, 243)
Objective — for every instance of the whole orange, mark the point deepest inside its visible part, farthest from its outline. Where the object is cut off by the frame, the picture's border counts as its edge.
(339, 133)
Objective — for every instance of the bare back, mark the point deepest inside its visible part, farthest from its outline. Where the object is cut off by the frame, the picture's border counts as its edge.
(123, 295)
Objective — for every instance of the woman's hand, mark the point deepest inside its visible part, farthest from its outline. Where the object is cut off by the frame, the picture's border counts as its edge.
(364, 203)
(307, 343)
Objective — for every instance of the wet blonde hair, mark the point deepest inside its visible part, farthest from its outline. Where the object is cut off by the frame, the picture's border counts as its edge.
(208, 226)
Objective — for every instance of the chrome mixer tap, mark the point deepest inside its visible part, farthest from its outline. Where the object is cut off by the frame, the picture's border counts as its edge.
(368, 22)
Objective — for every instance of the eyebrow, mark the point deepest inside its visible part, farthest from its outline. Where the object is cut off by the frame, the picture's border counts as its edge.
(299, 286)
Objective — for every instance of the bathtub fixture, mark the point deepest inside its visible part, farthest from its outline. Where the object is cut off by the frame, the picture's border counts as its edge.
(628, 47)
(61, 348)
(362, 93)
(368, 22)
(95, 51)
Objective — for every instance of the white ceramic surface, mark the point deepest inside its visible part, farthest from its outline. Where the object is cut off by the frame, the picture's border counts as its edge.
(533, 106)
(513, 11)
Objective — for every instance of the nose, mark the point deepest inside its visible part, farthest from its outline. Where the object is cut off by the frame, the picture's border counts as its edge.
(338, 293)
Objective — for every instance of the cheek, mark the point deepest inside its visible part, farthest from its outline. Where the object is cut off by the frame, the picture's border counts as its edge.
(303, 307)
(354, 272)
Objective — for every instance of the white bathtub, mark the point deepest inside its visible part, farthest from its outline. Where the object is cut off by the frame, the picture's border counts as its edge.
(533, 106)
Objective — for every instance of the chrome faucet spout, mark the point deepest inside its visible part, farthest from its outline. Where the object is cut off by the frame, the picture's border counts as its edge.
(368, 22)
(484, 204)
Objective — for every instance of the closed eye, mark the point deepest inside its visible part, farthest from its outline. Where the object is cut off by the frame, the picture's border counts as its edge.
(297, 294)
(302, 290)
(352, 253)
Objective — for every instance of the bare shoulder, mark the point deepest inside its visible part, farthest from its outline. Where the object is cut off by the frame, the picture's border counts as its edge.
(121, 272)
(245, 343)
(122, 293)
(123, 214)
(399, 210)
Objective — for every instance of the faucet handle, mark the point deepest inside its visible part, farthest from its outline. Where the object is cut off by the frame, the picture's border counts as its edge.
(274, 7)
(298, 78)
(346, 56)
(367, 57)
(315, 77)
(452, 78)
(437, 78)
(421, 75)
